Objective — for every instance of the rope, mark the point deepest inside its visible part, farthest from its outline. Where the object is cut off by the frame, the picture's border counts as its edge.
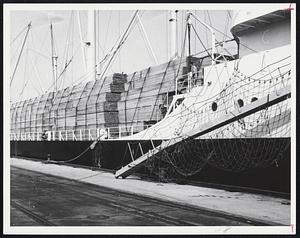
(91, 146)
(76, 157)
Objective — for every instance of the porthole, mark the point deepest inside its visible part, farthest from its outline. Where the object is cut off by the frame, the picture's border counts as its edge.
(214, 106)
(240, 102)
(253, 99)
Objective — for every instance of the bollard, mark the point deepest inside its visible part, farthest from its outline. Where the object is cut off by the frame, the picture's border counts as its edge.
(48, 158)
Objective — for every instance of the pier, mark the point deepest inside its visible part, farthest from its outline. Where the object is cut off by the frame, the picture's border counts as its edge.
(46, 195)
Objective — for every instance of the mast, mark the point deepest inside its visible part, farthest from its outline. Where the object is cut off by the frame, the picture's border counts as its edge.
(54, 59)
(54, 70)
(176, 12)
(173, 33)
(95, 41)
(189, 33)
(90, 47)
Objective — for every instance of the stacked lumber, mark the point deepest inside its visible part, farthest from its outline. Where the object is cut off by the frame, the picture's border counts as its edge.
(145, 92)
(117, 101)
(48, 113)
(13, 116)
(13, 125)
(19, 118)
(28, 114)
(83, 106)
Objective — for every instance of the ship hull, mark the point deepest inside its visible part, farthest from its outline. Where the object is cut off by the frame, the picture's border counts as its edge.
(115, 154)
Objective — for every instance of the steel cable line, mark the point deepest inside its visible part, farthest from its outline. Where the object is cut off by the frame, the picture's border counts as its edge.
(182, 53)
(66, 50)
(205, 49)
(122, 40)
(119, 26)
(115, 52)
(167, 40)
(231, 38)
(22, 48)
(107, 29)
(25, 81)
(31, 40)
(81, 77)
(18, 35)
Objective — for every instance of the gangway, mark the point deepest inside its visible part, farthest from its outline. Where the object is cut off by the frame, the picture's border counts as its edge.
(225, 119)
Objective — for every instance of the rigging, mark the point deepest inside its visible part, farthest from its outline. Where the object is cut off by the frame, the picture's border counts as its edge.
(23, 44)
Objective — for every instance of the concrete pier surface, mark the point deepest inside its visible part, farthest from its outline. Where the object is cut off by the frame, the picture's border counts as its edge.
(30, 177)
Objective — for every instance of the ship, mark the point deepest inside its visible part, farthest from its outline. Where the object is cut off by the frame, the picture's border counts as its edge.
(213, 116)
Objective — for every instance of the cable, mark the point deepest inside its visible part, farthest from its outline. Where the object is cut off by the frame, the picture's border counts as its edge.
(167, 38)
(231, 38)
(119, 26)
(202, 43)
(182, 50)
(145, 41)
(22, 48)
(25, 78)
(122, 40)
(206, 35)
(226, 26)
(17, 36)
(107, 29)
(195, 23)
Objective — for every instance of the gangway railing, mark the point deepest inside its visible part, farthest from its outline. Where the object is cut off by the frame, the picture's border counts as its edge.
(188, 81)
(224, 119)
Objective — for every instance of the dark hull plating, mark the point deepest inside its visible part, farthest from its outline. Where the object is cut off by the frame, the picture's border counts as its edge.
(113, 155)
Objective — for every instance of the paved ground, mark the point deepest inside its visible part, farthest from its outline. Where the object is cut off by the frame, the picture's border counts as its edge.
(37, 200)
(62, 201)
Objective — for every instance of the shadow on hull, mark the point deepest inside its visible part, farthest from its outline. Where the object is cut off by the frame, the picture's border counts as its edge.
(114, 155)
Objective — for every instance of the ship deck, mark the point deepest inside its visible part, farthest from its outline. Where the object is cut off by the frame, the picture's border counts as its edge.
(58, 187)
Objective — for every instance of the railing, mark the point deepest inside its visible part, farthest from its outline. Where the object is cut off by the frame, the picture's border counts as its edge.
(188, 81)
(80, 134)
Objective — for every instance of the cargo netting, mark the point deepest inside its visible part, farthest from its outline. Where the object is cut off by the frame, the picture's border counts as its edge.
(257, 140)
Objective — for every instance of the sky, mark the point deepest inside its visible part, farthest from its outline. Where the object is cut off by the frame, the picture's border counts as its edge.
(33, 75)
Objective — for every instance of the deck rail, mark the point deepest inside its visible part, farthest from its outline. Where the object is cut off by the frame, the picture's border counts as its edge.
(80, 134)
